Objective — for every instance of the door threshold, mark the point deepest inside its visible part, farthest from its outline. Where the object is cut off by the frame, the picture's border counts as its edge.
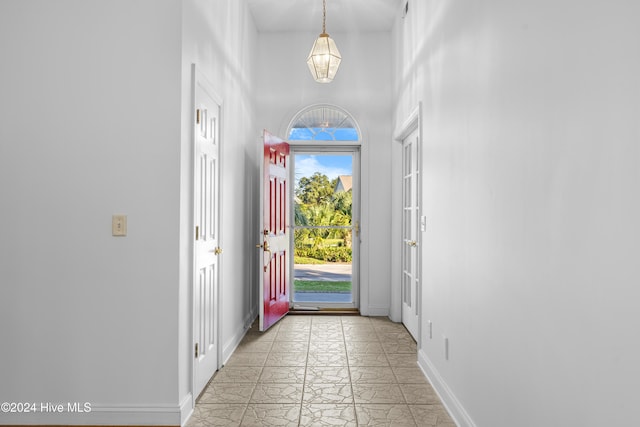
(324, 311)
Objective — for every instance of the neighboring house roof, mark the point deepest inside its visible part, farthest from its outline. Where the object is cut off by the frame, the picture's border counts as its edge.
(344, 183)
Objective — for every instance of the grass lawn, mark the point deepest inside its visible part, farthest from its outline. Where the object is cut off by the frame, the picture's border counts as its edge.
(305, 260)
(321, 286)
(325, 242)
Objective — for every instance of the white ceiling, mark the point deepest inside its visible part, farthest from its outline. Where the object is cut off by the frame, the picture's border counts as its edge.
(342, 15)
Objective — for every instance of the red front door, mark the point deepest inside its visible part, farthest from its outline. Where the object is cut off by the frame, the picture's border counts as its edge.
(275, 232)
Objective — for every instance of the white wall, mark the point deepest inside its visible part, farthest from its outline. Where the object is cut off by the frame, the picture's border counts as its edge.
(362, 87)
(220, 38)
(95, 120)
(89, 127)
(531, 167)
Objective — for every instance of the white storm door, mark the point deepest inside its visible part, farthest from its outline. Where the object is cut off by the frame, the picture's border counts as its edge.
(206, 245)
(410, 233)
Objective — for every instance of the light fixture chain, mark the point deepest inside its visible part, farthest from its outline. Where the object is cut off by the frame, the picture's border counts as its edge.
(324, 16)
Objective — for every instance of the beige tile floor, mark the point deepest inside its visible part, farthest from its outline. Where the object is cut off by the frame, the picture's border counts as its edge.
(322, 371)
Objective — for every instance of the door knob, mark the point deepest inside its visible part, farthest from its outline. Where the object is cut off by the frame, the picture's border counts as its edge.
(412, 243)
(266, 248)
(217, 251)
(265, 245)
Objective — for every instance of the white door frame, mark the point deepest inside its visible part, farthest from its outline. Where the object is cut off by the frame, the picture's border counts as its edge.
(413, 122)
(198, 78)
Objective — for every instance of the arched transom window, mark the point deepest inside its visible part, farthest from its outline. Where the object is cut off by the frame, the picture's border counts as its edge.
(323, 123)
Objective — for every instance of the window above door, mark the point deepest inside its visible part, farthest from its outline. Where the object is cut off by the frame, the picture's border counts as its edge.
(323, 123)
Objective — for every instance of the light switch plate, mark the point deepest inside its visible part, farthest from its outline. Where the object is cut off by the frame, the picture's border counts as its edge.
(119, 225)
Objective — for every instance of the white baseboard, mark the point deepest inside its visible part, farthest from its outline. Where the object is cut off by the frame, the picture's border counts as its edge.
(99, 415)
(248, 320)
(231, 345)
(186, 409)
(373, 310)
(449, 400)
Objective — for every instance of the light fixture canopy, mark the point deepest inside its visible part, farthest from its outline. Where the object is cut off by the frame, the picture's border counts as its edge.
(324, 58)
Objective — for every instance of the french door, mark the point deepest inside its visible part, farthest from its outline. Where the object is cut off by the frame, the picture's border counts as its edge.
(410, 233)
(206, 234)
(274, 235)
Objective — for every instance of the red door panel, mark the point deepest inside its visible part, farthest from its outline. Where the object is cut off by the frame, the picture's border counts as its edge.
(275, 232)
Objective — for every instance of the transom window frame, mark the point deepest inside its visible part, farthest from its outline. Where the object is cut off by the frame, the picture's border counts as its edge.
(332, 110)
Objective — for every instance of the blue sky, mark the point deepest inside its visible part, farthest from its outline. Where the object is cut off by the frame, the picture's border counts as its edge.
(331, 165)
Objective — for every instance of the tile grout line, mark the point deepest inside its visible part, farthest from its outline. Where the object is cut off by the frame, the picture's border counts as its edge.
(255, 386)
(380, 330)
(353, 397)
(306, 369)
(399, 384)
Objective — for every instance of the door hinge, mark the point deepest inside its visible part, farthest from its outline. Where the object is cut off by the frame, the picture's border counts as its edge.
(357, 228)
(197, 232)
(197, 351)
(198, 116)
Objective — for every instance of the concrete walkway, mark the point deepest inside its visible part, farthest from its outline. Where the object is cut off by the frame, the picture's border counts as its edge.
(305, 297)
(328, 272)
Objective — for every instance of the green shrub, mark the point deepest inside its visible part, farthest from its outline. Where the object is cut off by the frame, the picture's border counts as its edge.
(328, 254)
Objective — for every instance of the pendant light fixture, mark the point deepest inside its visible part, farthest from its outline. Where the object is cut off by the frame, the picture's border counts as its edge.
(324, 59)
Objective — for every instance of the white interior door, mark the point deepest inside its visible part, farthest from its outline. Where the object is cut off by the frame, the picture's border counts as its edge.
(410, 232)
(207, 238)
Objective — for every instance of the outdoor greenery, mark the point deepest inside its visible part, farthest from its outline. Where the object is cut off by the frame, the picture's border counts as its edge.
(321, 286)
(328, 254)
(317, 204)
(305, 260)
